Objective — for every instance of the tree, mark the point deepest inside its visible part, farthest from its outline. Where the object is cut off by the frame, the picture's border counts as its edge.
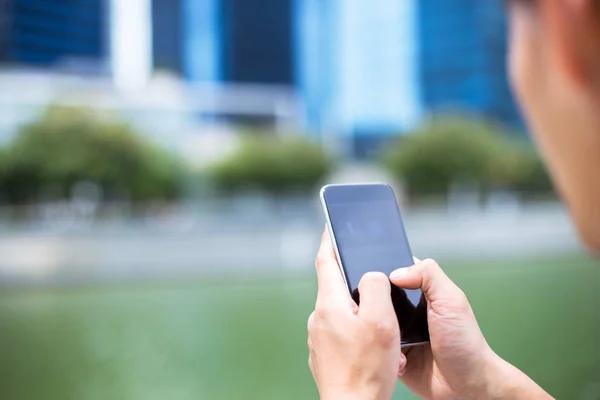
(451, 150)
(69, 145)
(272, 164)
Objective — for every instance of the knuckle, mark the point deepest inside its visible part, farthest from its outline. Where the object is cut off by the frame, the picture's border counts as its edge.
(431, 273)
(311, 322)
(430, 264)
(386, 330)
(322, 311)
(321, 260)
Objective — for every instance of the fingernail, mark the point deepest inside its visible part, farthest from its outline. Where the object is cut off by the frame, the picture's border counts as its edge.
(399, 273)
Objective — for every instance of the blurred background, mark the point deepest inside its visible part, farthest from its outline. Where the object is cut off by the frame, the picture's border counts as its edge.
(159, 168)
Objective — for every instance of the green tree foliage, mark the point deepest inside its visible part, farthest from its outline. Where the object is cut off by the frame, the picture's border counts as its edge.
(532, 175)
(69, 145)
(272, 164)
(451, 150)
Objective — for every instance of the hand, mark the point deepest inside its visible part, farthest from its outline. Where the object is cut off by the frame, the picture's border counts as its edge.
(458, 364)
(354, 352)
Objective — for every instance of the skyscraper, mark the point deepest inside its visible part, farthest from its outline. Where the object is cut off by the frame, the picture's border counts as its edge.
(52, 32)
(237, 41)
(357, 68)
(167, 35)
(5, 9)
(229, 41)
(462, 59)
(363, 70)
(257, 41)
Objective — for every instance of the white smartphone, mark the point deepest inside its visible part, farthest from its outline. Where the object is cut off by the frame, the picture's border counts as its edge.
(368, 234)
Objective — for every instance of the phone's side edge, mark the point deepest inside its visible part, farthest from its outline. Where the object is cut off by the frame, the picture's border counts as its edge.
(332, 235)
(407, 345)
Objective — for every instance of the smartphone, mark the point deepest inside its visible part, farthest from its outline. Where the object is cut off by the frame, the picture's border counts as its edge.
(368, 234)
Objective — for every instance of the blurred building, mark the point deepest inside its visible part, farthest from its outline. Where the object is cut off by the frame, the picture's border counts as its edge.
(228, 41)
(353, 73)
(351, 64)
(364, 72)
(367, 71)
(53, 33)
(357, 69)
(130, 43)
(104, 54)
(462, 59)
(167, 35)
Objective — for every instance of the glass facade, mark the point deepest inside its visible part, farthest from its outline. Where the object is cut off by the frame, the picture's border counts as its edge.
(316, 61)
(238, 41)
(257, 41)
(462, 58)
(201, 40)
(362, 69)
(167, 45)
(357, 69)
(5, 13)
(47, 32)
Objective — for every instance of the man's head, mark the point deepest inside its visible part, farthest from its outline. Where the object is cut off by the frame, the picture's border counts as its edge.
(555, 71)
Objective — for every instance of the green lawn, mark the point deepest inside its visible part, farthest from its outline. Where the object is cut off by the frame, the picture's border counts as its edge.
(247, 339)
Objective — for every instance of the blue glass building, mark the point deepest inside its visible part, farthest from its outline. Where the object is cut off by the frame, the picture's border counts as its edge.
(364, 71)
(257, 44)
(5, 13)
(462, 59)
(232, 41)
(357, 69)
(48, 32)
(167, 40)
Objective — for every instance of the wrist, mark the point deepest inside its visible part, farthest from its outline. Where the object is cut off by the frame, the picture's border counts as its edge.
(504, 381)
(499, 378)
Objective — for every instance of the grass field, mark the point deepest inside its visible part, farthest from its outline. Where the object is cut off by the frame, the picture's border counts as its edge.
(247, 339)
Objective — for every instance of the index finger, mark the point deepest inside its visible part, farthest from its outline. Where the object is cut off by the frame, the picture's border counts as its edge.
(329, 274)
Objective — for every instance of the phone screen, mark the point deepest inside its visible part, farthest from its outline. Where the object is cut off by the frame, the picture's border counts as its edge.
(370, 236)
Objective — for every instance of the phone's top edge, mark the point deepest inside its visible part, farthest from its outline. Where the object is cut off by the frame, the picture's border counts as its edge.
(322, 192)
(341, 185)
(354, 184)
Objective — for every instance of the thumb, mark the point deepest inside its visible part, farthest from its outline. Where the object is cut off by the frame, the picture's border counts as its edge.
(428, 276)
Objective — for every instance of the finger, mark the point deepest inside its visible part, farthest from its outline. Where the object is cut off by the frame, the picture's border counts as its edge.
(329, 276)
(418, 362)
(375, 297)
(427, 276)
(402, 365)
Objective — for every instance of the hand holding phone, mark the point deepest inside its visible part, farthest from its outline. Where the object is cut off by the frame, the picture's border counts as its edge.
(354, 353)
(354, 349)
